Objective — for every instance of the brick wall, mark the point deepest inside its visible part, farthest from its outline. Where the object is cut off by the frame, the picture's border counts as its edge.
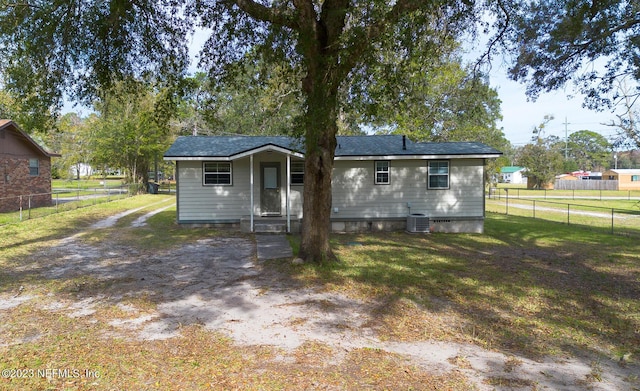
(15, 181)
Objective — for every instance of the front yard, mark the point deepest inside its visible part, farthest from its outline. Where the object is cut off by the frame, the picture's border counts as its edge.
(528, 305)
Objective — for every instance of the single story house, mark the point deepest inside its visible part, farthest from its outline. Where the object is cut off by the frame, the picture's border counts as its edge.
(25, 169)
(628, 179)
(513, 174)
(378, 181)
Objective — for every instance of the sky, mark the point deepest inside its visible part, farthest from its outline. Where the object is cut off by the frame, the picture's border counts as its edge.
(521, 115)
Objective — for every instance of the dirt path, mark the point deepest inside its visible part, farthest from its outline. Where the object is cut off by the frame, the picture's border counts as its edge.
(218, 283)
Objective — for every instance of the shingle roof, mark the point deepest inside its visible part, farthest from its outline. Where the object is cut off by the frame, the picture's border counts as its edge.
(9, 124)
(348, 146)
(225, 146)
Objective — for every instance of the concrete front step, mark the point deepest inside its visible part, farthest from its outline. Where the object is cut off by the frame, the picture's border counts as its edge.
(268, 225)
(274, 228)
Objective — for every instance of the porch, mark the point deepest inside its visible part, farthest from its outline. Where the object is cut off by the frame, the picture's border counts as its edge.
(270, 224)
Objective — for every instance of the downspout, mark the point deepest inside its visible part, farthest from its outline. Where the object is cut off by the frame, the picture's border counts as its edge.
(251, 190)
(484, 197)
(288, 194)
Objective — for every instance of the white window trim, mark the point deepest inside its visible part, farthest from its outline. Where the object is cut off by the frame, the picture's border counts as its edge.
(204, 173)
(376, 171)
(429, 174)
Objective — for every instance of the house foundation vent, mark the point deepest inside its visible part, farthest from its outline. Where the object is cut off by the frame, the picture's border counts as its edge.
(417, 222)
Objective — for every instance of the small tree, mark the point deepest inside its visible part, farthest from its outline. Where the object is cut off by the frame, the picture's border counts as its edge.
(542, 158)
(132, 130)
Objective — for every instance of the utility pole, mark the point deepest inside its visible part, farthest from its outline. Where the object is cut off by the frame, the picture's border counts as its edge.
(566, 139)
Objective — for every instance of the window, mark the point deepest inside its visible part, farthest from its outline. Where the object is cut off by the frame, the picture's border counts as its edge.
(216, 173)
(34, 167)
(635, 178)
(438, 175)
(297, 173)
(382, 173)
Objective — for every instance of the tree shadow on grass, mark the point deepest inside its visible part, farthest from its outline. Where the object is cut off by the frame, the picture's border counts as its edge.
(534, 287)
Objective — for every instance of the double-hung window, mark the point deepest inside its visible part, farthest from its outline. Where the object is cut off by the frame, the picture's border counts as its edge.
(635, 178)
(438, 173)
(216, 173)
(382, 172)
(297, 172)
(34, 167)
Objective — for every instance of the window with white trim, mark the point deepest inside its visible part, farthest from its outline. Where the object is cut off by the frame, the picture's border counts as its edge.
(382, 172)
(216, 173)
(297, 172)
(635, 178)
(438, 174)
(34, 167)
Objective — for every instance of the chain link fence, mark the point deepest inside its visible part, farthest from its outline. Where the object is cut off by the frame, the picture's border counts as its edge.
(24, 207)
(612, 220)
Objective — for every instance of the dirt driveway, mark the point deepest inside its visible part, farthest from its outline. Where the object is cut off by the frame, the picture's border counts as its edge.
(219, 283)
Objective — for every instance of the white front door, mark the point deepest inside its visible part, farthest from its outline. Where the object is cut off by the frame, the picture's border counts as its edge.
(270, 202)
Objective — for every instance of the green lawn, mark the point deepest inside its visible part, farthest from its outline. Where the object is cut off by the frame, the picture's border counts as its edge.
(530, 286)
(607, 216)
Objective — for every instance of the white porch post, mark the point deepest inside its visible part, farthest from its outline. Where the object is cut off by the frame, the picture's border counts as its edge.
(251, 189)
(288, 193)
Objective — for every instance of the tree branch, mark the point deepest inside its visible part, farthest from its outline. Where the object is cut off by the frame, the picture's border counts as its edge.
(373, 33)
(333, 19)
(16, 5)
(278, 16)
(494, 41)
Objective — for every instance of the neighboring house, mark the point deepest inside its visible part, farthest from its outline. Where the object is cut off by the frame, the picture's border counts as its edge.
(513, 174)
(377, 182)
(628, 179)
(566, 177)
(25, 169)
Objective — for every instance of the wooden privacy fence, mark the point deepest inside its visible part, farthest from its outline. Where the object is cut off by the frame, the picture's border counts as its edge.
(592, 184)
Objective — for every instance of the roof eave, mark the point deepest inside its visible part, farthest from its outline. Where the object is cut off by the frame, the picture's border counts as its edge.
(239, 155)
(419, 157)
(267, 148)
(29, 139)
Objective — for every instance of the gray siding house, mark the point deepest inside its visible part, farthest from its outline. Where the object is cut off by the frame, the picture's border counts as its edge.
(252, 181)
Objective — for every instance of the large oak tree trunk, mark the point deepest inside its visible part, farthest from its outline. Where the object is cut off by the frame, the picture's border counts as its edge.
(320, 142)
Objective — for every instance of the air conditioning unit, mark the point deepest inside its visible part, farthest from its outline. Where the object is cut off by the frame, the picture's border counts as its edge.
(417, 222)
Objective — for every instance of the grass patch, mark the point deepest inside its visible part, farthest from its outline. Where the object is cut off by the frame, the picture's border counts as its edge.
(619, 216)
(29, 236)
(526, 285)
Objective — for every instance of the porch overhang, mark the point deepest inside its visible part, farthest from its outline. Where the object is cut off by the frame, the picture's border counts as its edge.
(240, 155)
(267, 148)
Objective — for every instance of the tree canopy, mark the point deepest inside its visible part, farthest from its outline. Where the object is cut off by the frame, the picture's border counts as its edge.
(132, 130)
(330, 47)
(592, 43)
(589, 150)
